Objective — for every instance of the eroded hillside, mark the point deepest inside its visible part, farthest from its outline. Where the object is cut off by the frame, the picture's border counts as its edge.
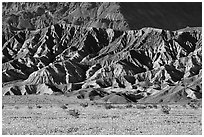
(97, 60)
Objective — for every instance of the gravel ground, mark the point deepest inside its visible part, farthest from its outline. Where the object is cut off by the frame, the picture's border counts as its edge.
(37, 119)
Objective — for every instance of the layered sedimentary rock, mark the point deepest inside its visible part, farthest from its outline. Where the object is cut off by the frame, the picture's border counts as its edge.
(144, 65)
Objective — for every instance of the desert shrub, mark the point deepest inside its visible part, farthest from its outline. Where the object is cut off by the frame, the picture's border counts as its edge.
(141, 106)
(72, 129)
(73, 112)
(16, 107)
(150, 106)
(63, 107)
(38, 106)
(194, 105)
(108, 106)
(165, 109)
(129, 106)
(30, 107)
(155, 106)
(92, 103)
(84, 105)
(115, 117)
(184, 106)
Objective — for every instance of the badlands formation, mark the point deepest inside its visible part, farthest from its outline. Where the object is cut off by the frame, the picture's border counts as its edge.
(114, 52)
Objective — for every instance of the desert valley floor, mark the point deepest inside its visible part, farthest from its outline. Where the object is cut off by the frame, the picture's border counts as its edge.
(52, 115)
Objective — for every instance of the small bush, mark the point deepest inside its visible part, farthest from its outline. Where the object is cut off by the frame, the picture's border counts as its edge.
(165, 109)
(184, 106)
(84, 105)
(75, 113)
(155, 106)
(115, 117)
(108, 106)
(194, 105)
(150, 106)
(16, 107)
(141, 106)
(64, 107)
(2, 106)
(30, 107)
(72, 129)
(38, 106)
(129, 106)
(94, 103)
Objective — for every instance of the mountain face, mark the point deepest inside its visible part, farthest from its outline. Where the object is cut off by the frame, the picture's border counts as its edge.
(96, 50)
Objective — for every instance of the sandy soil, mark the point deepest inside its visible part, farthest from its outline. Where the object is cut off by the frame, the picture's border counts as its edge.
(50, 118)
